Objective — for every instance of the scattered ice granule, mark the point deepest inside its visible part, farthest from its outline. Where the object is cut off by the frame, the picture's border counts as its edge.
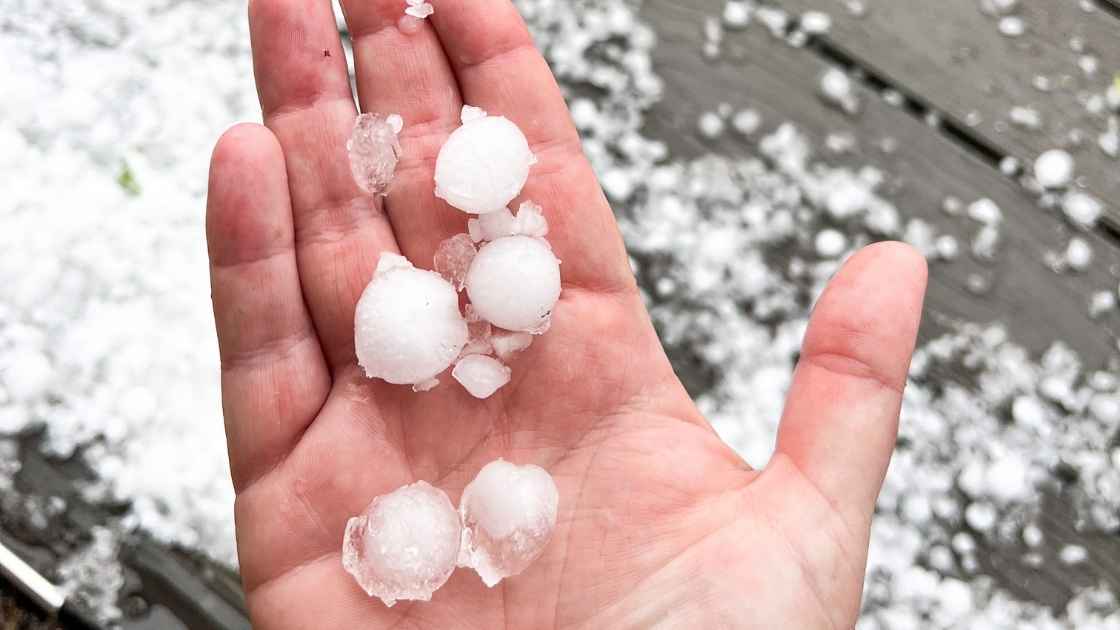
(618, 183)
(1089, 64)
(830, 243)
(1012, 26)
(95, 575)
(985, 211)
(453, 258)
(506, 345)
(1109, 141)
(1078, 254)
(405, 545)
(484, 164)
(1032, 535)
(1026, 117)
(26, 375)
(1073, 554)
(1009, 166)
(947, 247)
(1105, 408)
(481, 375)
(847, 197)
(1112, 95)
(836, 89)
(711, 125)
(840, 142)
(815, 22)
(1082, 209)
(737, 14)
(1054, 169)
(893, 97)
(746, 122)
(514, 283)
(419, 9)
(952, 206)
(508, 514)
(776, 20)
(375, 149)
(1101, 302)
(981, 516)
(1008, 478)
(407, 327)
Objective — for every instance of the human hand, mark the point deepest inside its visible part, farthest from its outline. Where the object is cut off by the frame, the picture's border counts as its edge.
(660, 524)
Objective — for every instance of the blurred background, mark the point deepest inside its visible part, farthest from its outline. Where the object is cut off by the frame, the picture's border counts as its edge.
(747, 146)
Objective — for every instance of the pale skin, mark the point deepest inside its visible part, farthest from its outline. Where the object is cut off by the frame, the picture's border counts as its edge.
(660, 524)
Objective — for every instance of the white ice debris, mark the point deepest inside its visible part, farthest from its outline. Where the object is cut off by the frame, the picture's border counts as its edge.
(1026, 117)
(1054, 169)
(746, 121)
(1012, 26)
(419, 9)
(1082, 209)
(529, 221)
(26, 374)
(815, 22)
(481, 375)
(506, 345)
(830, 243)
(408, 328)
(985, 211)
(484, 164)
(837, 89)
(405, 545)
(711, 125)
(737, 14)
(453, 258)
(375, 150)
(514, 283)
(509, 513)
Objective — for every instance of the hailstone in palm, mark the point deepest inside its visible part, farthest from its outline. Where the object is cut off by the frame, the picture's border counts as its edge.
(481, 375)
(514, 283)
(408, 328)
(484, 164)
(405, 545)
(509, 515)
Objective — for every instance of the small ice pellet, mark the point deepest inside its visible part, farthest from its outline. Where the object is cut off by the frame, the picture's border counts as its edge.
(407, 328)
(981, 516)
(529, 221)
(405, 545)
(985, 211)
(453, 258)
(1073, 554)
(375, 149)
(746, 122)
(736, 14)
(1026, 117)
(481, 375)
(1054, 169)
(508, 514)
(514, 283)
(711, 125)
(419, 9)
(1079, 254)
(28, 375)
(830, 243)
(1012, 26)
(507, 345)
(816, 22)
(484, 164)
(836, 89)
(1081, 209)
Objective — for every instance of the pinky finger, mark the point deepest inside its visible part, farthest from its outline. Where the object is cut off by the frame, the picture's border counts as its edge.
(274, 376)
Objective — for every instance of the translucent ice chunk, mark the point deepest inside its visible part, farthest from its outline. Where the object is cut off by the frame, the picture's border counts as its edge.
(483, 165)
(514, 283)
(509, 514)
(481, 375)
(405, 545)
(407, 328)
(453, 259)
(375, 149)
(506, 345)
(481, 334)
(419, 9)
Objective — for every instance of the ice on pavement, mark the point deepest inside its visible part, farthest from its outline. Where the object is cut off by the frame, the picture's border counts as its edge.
(405, 545)
(514, 283)
(453, 259)
(375, 150)
(509, 514)
(1054, 169)
(481, 375)
(484, 164)
(407, 327)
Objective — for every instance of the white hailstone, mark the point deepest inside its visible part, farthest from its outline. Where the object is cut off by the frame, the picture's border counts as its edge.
(419, 9)
(981, 516)
(985, 211)
(481, 375)
(508, 514)
(847, 197)
(816, 22)
(947, 247)
(484, 164)
(27, 376)
(711, 125)
(1012, 26)
(514, 283)
(836, 89)
(736, 14)
(1008, 479)
(1026, 117)
(1073, 554)
(405, 545)
(1009, 166)
(830, 243)
(491, 226)
(1078, 254)
(1082, 209)
(453, 258)
(507, 345)
(1112, 96)
(407, 328)
(746, 122)
(1032, 535)
(1105, 408)
(1054, 169)
(375, 149)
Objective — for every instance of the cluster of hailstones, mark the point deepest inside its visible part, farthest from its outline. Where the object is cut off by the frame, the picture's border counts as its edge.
(409, 329)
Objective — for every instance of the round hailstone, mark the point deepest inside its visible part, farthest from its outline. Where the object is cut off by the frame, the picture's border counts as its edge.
(514, 283)
(508, 514)
(484, 164)
(481, 375)
(405, 545)
(1054, 169)
(408, 329)
(1082, 209)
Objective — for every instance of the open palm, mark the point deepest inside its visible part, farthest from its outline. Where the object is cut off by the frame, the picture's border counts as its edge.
(660, 523)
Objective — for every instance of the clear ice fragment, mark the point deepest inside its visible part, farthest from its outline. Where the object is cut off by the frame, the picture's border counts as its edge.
(407, 327)
(453, 259)
(420, 11)
(507, 345)
(481, 335)
(484, 164)
(375, 150)
(481, 375)
(508, 514)
(405, 545)
(514, 283)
